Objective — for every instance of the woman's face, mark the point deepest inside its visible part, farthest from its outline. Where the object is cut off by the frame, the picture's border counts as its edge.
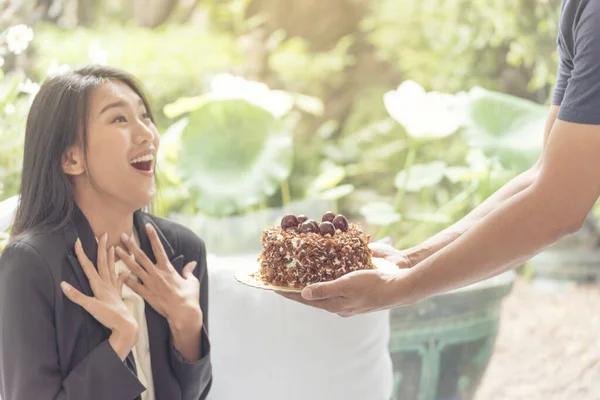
(121, 148)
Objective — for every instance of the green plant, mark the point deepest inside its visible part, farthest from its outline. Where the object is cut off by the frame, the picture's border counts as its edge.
(14, 106)
(432, 191)
(16, 94)
(233, 156)
(233, 150)
(509, 127)
(171, 61)
(509, 46)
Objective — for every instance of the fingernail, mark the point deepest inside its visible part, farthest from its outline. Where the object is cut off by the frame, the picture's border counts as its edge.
(65, 286)
(105, 237)
(78, 242)
(307, 293)
(124, 237)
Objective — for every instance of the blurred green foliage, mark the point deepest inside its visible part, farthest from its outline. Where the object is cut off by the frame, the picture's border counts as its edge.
(451, 45)
(170, 61)
(339, 62)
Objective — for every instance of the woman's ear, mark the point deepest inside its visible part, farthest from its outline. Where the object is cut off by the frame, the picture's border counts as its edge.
(72, 161)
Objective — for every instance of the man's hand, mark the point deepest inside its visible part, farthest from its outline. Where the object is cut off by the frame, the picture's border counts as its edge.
(389, 253)
(355, 293)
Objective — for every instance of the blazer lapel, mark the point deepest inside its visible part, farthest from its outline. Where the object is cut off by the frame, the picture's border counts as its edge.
(165, 383)
(79, 227)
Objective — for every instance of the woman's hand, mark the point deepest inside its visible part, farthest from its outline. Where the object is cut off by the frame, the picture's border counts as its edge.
(107, 305)
(175, 297)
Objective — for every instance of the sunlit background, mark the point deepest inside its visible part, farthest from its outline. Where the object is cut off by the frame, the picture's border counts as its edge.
(403, 115)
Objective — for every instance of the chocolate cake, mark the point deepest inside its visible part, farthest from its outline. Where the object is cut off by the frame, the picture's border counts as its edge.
(302, 251)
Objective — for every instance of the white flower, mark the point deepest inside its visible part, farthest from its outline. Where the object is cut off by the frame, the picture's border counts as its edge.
(10, 109)
(18, 38)
(422, 114)
(97, 54)
(29, 87)
(226, 86)
(55, 69)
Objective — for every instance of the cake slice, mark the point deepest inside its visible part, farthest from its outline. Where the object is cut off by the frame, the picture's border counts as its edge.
(301, 251)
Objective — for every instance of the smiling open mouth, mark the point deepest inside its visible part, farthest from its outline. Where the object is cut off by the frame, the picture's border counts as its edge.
(143, 166)
(143, 163)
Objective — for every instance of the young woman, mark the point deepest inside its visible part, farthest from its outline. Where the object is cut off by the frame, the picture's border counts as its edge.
(98, 299)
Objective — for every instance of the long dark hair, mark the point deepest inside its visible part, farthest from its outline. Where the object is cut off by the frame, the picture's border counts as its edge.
(58, 118)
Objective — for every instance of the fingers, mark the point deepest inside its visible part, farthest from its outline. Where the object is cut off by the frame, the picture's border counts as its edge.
(139, 255)
(133, 265)
(188, 270)
(86, 264)
(137, 287)
(157, 248)
(111, 266)
(381, 249)
(321, 291)
(76, 296)
(120, 281)
(333, 305)
(102, 258)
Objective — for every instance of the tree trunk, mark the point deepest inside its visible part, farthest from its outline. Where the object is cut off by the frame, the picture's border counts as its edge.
(322, 23)
(152, 13)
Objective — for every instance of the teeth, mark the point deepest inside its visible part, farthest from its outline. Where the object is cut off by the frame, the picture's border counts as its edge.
(147, 157)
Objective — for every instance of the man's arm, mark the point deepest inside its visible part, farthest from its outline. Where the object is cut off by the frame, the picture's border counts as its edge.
(556, 204)
(565, 189)
(437, 242)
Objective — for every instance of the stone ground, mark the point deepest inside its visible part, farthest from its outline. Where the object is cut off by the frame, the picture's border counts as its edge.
(548, 346)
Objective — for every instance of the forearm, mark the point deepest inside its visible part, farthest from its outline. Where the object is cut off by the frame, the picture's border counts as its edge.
(442, 239)
(514, 187)
(523, 226)
(186, 332)
(190, 357)
(122, 341)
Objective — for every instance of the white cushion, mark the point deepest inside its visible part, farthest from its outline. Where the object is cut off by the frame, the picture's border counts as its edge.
(265, 347)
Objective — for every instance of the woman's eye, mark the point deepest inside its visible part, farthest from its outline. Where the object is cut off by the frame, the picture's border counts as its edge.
(120, 119)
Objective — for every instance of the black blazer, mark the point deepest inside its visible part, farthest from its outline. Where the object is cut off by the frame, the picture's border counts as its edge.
(51, 348)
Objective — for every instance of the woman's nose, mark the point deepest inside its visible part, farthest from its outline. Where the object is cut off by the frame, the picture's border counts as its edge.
(143, 133)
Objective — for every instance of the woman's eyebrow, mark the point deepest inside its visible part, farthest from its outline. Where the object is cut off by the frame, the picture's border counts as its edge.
(115, 104)
(119, 103)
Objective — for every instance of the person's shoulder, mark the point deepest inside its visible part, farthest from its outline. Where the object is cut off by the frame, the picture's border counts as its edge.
(30, 254)
(37, 241)
(582, 13)
(577, 13)
(182, 238)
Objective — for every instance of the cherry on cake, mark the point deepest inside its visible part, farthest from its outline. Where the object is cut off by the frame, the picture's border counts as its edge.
(301, 251)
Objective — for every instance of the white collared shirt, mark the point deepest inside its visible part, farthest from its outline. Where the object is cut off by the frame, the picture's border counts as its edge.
(141, 350)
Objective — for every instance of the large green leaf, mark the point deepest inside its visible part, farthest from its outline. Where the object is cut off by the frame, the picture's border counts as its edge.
(421, 176)
(337, 192)
(380, 213)
(331, 175)
(507, 126)
(233, 155)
